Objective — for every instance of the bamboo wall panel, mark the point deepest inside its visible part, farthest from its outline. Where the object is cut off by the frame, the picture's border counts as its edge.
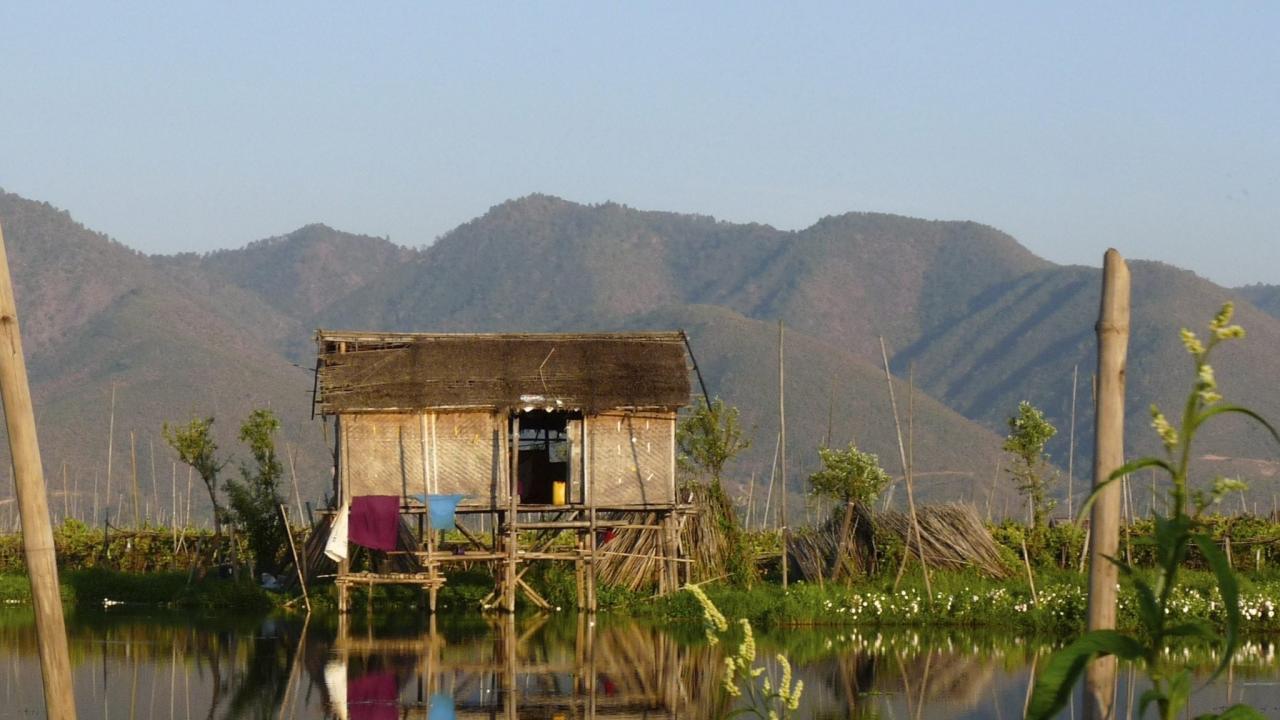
(467, 459)
(385, 453)
(631, 459)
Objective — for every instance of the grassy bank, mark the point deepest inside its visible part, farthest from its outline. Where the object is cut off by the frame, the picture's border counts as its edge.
(98, 587)
(961, 599)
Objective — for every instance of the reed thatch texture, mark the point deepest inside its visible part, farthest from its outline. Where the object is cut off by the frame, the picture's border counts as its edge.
(417, 371)
(633, 558)
(814, 550)
(953, 538)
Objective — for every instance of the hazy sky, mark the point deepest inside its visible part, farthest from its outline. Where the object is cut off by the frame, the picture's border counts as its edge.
(182, 126)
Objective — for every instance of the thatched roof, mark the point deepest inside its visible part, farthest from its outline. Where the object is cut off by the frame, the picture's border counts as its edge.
(592, 372)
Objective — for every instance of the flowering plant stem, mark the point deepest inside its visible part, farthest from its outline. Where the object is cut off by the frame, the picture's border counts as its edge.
(1174, 536)
(766, 696)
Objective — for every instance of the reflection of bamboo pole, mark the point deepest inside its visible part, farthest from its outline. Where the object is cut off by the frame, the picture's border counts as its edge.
(1031, 681)
(1113, 340)
(33, 506)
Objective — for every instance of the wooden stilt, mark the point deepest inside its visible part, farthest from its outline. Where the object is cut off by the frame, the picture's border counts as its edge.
(593, 563)
(513, 535)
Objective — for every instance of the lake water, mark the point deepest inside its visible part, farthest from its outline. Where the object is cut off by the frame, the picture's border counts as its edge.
(128, 664)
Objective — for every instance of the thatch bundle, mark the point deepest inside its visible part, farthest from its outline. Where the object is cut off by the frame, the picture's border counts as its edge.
(819, 554)
(632, 559)
(953, 538)
(704, 536)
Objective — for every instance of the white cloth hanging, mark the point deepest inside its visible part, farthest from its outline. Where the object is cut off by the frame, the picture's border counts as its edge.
(336, 547)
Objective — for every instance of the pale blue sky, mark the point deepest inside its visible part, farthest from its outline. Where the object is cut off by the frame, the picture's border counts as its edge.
(178, 126)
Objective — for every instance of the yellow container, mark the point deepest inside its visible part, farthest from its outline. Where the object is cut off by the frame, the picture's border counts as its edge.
(558, 489)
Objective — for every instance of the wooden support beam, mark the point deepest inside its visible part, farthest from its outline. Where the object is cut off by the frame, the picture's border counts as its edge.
(513, 521)
(33, 507)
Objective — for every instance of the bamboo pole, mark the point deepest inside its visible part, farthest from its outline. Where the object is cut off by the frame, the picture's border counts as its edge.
(911, 500)
(33, 507)
(155, 488)
(1071, 451)
(133, 467)
(782, 450)
(773, 471)
(111, 436)
(893, 403)
(291, 451)
(66, 508)
(1113, 340)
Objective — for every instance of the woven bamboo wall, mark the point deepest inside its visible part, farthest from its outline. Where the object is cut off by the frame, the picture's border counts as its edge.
(632, 458)
(383, 454)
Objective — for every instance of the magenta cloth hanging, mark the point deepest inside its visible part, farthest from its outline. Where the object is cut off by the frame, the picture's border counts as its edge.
(374, 521)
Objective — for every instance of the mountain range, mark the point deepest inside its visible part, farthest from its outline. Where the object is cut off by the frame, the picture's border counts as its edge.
(971, 320)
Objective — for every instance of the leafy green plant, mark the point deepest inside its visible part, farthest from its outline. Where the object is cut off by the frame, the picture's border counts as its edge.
(195, 446)
(1029, 431)
(849, 476)
(255, 498)
(1174, 535)
(765, 695)
(709, 438)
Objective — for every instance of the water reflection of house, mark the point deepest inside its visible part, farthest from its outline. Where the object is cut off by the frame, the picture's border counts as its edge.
(545, 667)
(542, 436)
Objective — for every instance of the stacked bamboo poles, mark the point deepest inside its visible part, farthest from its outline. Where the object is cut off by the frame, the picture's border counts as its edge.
(952, 536)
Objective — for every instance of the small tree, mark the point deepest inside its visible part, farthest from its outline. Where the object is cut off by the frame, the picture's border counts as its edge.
(255, 498)
(850, 477)
(195, 446)
(709, 438)
(1028, 433)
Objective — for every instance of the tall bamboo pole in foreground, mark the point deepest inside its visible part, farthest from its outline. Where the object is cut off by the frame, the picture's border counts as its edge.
(1113, 348)
(33, 505)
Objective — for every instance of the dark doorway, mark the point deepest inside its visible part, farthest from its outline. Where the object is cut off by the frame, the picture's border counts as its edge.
(545, 448)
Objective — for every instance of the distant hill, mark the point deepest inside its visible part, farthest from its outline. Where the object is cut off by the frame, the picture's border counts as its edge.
(545, 263)
(1265, 297)
(175, 345)
(979, 321)
(1025, 339)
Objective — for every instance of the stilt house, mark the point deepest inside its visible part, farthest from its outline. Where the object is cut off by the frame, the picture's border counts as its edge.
(538, 433)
